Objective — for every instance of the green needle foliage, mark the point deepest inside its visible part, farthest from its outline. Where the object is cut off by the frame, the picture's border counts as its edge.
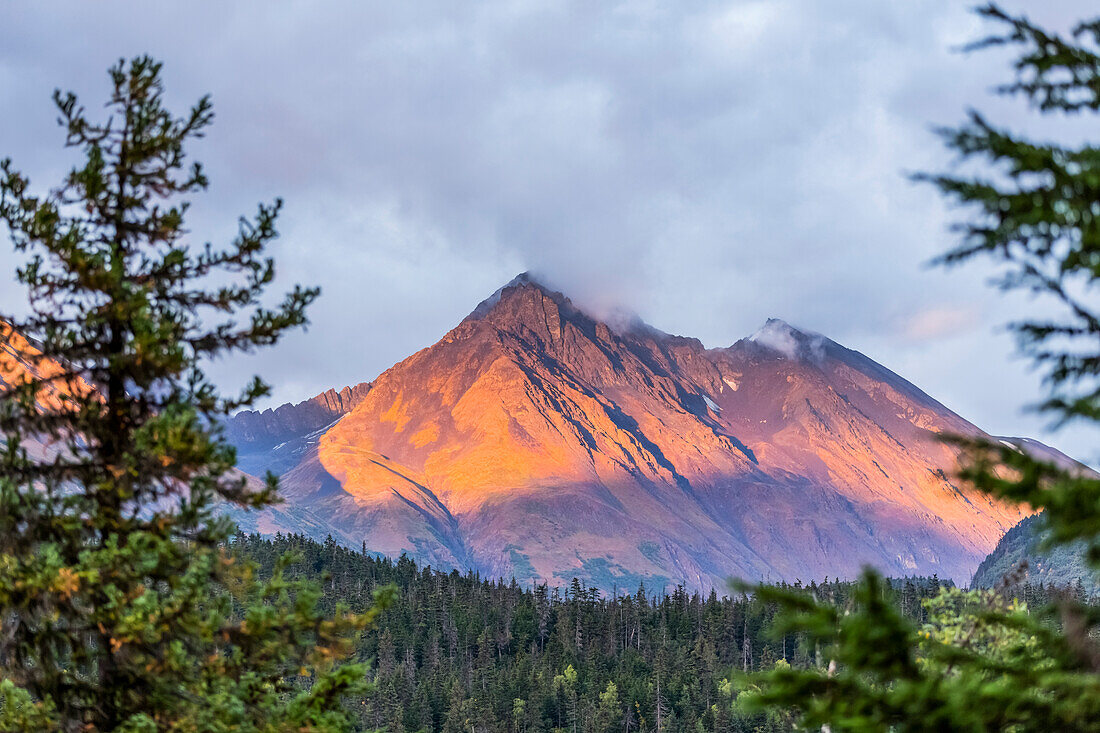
(120, 609)
(984, 662)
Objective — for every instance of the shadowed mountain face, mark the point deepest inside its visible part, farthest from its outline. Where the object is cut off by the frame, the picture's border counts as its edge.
(1022, 555)
(274, 440)
(537, 441)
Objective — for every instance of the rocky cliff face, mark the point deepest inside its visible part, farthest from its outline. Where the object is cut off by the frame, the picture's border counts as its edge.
(271, 426)
(537, 441)
(273, 440)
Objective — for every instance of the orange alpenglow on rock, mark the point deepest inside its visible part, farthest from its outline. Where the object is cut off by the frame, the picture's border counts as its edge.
(539, 442)
(22, 362)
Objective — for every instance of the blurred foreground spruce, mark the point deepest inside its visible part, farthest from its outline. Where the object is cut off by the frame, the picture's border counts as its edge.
(986, 662)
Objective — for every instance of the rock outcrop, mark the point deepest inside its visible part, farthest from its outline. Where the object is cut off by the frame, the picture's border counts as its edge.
(274, 439)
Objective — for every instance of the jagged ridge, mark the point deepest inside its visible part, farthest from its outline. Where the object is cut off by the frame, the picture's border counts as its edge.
(274, 440)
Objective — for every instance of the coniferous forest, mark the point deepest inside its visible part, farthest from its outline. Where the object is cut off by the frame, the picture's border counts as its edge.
(456, 652)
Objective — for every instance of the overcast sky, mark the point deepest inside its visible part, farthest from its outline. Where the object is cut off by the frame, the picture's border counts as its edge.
(708, 165)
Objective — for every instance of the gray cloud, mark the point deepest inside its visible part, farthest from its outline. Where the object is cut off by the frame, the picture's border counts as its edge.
(707, 165)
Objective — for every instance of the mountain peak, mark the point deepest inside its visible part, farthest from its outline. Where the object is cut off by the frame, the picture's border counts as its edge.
(520, 281)
(790, 341)
(525, 278)
(528, 301)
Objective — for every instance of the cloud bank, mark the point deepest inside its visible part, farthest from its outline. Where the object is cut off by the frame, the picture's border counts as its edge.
(707, 165)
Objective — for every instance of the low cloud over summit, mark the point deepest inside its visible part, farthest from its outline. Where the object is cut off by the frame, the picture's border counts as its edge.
(706, 166)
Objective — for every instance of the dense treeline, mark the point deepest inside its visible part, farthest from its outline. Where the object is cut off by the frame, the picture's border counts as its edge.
(459, 653)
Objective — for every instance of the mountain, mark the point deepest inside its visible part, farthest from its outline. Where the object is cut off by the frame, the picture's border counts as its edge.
(539, 441)
(20, 360)
(274, 440)
(1062, 566)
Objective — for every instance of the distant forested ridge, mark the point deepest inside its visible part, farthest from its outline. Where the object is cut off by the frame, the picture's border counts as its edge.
(457, 652)
(1062, 566)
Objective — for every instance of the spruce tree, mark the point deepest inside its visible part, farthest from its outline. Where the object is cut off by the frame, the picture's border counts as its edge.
(982, 662)
(119, 607)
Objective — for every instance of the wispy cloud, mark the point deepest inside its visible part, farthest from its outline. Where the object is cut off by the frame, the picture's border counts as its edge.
(941, 322)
